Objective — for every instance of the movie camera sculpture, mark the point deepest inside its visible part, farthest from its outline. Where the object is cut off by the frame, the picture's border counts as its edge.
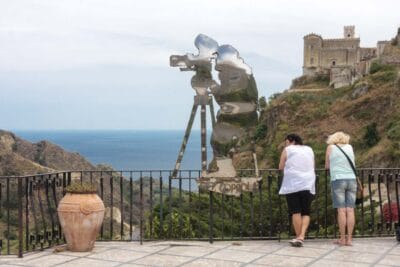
(237, 96)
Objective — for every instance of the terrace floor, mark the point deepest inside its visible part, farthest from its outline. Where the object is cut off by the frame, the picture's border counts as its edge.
(364, 252)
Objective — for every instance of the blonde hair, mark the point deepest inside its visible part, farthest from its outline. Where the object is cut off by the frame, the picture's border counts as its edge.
(338, 138)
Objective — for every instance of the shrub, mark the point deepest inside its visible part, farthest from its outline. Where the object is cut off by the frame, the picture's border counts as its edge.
(262, 103)
(384, 76)
(376, 67)
(371, 135)
(261, 131)
(393, 131)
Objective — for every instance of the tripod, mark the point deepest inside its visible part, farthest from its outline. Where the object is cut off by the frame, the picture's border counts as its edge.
(202, 101)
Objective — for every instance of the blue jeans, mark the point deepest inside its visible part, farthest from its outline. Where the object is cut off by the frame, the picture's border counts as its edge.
(344, 193)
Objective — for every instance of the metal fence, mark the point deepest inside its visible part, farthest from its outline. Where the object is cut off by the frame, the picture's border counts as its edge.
(150, 205)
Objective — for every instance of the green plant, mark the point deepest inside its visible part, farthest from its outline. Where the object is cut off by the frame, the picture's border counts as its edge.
(371, 135)
(261, 131)
(262, 103)
(376, 67)
(81, 188)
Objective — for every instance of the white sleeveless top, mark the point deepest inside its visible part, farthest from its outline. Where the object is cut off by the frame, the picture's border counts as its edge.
(299, 173)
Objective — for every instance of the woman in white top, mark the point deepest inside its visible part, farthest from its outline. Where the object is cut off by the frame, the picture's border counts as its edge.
(297, 163)
(343, 181)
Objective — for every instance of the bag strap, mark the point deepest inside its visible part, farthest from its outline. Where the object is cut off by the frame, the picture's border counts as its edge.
(348, 158)
(351, 164)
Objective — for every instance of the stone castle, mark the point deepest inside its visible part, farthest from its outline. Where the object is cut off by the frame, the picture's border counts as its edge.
(342, 59)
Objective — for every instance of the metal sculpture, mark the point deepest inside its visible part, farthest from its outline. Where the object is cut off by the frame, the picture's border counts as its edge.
(237, 95)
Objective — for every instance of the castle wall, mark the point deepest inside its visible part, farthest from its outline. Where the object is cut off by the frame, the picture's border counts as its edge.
(367, 53)
(341, 76)
(381, 47)
(338, 57)
(350, 43)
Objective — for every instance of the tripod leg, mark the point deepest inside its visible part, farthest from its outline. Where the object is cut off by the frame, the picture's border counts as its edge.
(210, 102)
(185, 140)
(203, 141)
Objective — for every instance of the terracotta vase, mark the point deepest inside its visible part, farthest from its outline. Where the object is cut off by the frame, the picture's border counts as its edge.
(81, 217)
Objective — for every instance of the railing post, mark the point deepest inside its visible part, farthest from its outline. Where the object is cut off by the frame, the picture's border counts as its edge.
(211, 218)
(20, 219)
(141, 208)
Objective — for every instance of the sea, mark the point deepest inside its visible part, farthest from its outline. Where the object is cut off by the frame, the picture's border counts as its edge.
(126, 149)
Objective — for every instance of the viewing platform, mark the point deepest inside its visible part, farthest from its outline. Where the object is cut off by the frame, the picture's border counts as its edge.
(364, 252)
(152, 219)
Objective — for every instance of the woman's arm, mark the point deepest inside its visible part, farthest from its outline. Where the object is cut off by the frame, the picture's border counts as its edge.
(327, 154)
(282, 160)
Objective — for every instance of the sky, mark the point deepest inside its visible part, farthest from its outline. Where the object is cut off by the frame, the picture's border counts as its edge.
(104, 64)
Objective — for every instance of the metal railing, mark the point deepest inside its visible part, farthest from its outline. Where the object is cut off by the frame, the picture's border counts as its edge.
(150, 205)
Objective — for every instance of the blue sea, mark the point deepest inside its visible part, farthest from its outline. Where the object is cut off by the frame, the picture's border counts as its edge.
(126, 149)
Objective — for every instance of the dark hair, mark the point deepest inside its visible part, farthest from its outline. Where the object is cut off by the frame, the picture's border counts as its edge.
(294, 138)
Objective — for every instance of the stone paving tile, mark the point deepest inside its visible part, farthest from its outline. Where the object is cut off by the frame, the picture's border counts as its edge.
(118, 255)
(191, 251)
(86, 262)
(365, 248)
(332, 263)
(47, 260)
(143, 248)
(353, 256)
(396, 250)
(32, 255)
(96, 249)
(280, 260)
(261, 248)
(390, 260)
(235, 255)
(326, 244)
(10, 265)
(131, 265)
(302, 252)
(162, 260)
(212, 263)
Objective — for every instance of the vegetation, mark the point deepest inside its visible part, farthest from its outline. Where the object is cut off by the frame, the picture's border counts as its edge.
(371, 136)
(310, 82)
(81, 188)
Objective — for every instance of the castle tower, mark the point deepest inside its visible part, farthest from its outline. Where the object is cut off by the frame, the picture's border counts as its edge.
(312, 50)
(349, 31)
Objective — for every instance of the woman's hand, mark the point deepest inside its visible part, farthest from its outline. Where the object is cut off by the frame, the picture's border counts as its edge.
(283, 159)
(327, 154)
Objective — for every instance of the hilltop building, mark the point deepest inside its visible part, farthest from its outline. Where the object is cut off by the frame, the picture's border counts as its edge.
(342, 59)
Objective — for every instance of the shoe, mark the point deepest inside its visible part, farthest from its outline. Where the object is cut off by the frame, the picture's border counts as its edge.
(296, 242)
(293, 242)
(299, 242)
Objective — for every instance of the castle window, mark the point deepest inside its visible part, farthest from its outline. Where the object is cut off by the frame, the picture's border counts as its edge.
(311, 47)
(333, 62)
(312, 60)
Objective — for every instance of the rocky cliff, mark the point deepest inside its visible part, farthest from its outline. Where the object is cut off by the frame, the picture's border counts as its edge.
(20, 157)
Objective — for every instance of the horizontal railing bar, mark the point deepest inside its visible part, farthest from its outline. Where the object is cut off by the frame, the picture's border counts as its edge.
(166, 171)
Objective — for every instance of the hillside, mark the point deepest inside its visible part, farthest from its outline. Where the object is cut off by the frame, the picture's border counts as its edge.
(20, 157)
(369, 111)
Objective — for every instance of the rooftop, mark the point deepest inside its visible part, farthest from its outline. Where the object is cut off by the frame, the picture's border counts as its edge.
(364, 252)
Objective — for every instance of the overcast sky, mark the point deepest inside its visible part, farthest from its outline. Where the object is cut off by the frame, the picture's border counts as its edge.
(104, 64)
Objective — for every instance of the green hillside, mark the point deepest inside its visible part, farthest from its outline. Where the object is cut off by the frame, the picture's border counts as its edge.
(369, 111)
